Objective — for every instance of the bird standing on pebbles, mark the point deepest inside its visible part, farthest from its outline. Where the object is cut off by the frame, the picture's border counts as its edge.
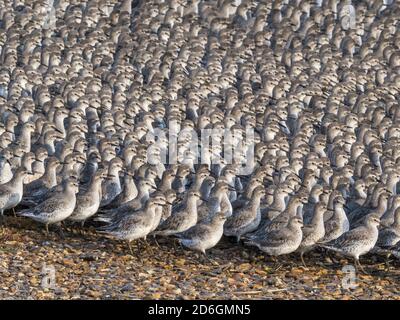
(358, 241)
(282, 241)
(184, 216)
(313, 232)
(55, 209)
(12, 191)
(204, 235)
(136, 225)
(246, 219)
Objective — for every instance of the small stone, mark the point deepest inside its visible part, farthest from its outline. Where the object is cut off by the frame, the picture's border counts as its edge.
(127, 287)
(89, 257)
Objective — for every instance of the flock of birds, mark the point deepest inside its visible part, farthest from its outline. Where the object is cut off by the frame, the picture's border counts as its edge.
(79, 96)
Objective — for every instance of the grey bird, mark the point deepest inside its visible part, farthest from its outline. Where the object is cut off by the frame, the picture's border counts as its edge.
(390, 236)
(313, 232)
(246, 219)
(57, 208)
(112, 186)
(12, 191)
(136, 225)
(184, 216)
(338, 223)
(88, 202)
(204, 235)
(282, 241)
(358, 241)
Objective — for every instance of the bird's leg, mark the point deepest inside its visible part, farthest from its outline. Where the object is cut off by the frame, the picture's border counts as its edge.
(387, 262)
(302, 259)
(47, 229)
(208, 258)
(82, 230)
(237, 239)
(130, 247)
(357, 262)
(60, 231)
(2, 218)
(138, 251)
(14, 213)
(155, 240)
(275, 260)
(148, 246)
(174, 245)
(269, 258)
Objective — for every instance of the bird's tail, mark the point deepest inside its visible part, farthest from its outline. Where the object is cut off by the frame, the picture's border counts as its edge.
(28, 203)
(25, 213)
(251, 243)
(329, 247)
(102, 218)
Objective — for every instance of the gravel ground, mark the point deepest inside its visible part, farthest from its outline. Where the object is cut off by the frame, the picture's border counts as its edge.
(88, 266)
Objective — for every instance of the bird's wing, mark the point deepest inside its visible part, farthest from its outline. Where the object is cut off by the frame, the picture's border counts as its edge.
(4, 190)
(171, 222)
(198, 231)
(238, 219)
(84, 198)
(357, 234)
(275, 238)
(176, 207)
(331, 225)
(48, 206)
(308, 230)
(387, 238)
(126, 222)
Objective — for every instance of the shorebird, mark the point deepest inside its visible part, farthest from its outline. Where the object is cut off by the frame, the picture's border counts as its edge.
(184, 216)
(166, 180)
(112, 186)
(338, 223)
(38, 166)
(91, 166)
(204, 235)
(246, 219)
(35, 190)
(88, 202)
(390, 236)
(128, 193)
(170, 197)
(380, 208)
(218, 198)
(181, 179)
(12, 191)
(6, 173)
(313, 232)
(294, 208)
(136, 225)
(389, 216)
(145, 186)
(358, 241)
(281, 241)
(57, 208)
